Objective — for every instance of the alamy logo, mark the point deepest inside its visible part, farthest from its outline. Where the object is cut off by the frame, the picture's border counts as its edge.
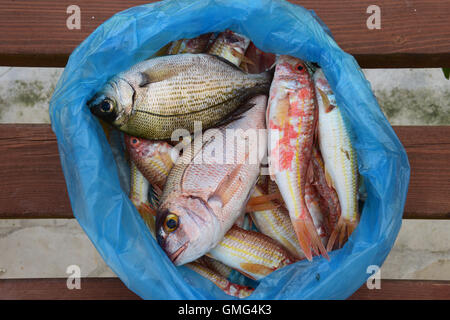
(74, 278)
(374, 20)
(374, 281)
(74, 20)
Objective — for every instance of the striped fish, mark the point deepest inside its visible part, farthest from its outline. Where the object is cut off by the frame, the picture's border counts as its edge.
(341, 167)
(276, 224)
(251, 253)
(291, 121)
(232, 289)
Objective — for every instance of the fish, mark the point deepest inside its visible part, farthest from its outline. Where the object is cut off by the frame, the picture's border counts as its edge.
(205, 194)
(318, 214)
(195, 45)
(260, 61)
(230, 46)
(232, 289)
(216, 266)
(340, 161)
(329, 200)
(291, 123)
(252, 253)
(156, 97)
(154, 159)
(276, 223)
(139, 188)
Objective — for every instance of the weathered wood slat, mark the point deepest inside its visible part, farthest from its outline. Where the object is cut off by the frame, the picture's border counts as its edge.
(406, 290)
(428, 150)
(114, 289)
(413, 33)
(33, 186)
(56, 289)
(32, 183)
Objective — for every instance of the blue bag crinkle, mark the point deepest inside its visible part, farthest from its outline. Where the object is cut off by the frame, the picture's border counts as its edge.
(110, 219)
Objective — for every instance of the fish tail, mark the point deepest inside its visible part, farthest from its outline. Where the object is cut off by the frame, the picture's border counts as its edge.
(309, 238)
(343, 231)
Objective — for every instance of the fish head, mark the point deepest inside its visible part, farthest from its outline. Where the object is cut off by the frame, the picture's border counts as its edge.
(137, 147)
(186, 229)
(291, 70)
(114, 102)
(140, 148)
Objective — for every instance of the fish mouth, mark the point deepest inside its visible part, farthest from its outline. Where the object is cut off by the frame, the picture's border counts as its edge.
(174, 256)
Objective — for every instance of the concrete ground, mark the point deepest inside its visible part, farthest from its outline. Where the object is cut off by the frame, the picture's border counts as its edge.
(45, 248)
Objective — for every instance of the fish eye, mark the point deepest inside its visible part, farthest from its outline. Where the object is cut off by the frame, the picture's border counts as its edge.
(134, 141)
(299, 67)
(171, 223)
(106, 106)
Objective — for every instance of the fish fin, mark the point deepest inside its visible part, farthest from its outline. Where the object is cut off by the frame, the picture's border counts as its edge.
(343, 230)
(225, 61)
(245, 274)
(256, 268)
(265, 198)
(261, 207)
(148, 215)
(153, 75)
(236, 115)
(242, 57)
(227, 187)
(244, 66)
(308, 238)
(328, 178)
(328, 105)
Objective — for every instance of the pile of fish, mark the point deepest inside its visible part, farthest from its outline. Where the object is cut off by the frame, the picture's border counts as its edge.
(287, 192)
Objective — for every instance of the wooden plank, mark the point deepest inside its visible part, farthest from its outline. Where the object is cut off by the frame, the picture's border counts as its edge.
(33, 185)
(406, 290)
(114, 289)
(413, 33)
(56, 289)
(428, 149)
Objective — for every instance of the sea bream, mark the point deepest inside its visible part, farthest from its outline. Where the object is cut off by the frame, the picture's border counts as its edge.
(291, 122)
(157, 96)
(205, 192)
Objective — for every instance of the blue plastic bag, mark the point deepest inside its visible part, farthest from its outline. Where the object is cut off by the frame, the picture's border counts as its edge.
(109, 218)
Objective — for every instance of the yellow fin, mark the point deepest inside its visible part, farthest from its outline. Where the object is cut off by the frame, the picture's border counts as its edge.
(328, 106)
(261, 207)
(265, 198)
(328, 179)
(256, 268)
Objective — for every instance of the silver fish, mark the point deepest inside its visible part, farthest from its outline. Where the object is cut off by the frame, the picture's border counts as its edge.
(162, 94)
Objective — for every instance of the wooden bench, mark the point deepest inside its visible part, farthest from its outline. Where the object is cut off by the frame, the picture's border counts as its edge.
(34, 33)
